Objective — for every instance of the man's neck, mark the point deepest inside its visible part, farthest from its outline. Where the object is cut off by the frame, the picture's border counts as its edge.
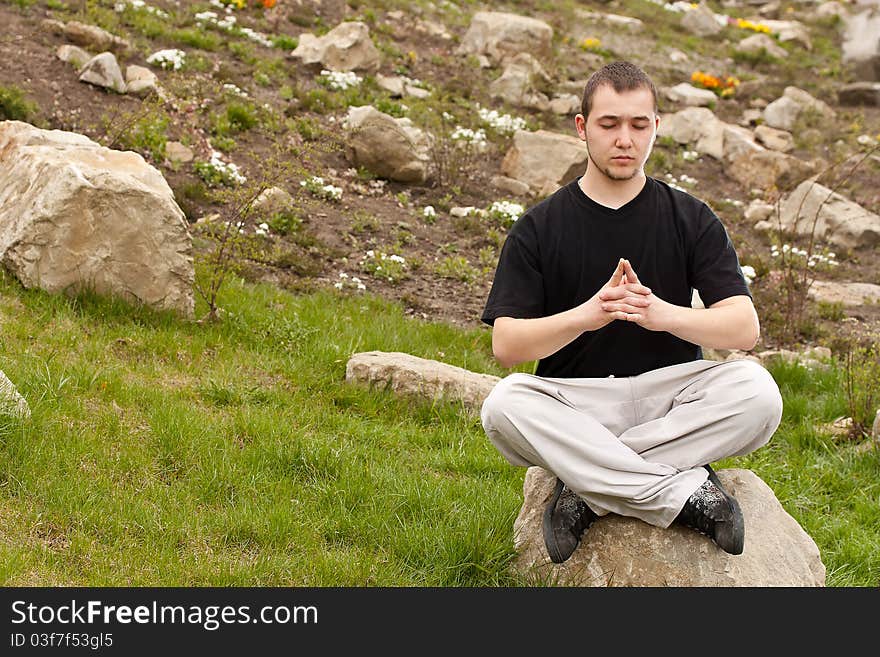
(608, 192)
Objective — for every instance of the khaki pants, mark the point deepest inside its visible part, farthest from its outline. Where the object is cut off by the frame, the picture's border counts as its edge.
(634, 445)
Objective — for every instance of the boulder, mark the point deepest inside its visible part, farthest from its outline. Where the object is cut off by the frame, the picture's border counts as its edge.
(522, 83)
(788, 31)
(697, 126)
(140, 81)
(74, 214)
(73, 55)
(701, 21)
(92, 36)
(499, 35)
(848, 294)
(838, 220)
(544, 160)
(754, 44)
(389, 147)
(622, 551)
(783, 112)
(861, 44)
(860, 93)
(422, 377)
(347, 47)
(775, 140)
(765, 169)
(102, 70)
(687, 94)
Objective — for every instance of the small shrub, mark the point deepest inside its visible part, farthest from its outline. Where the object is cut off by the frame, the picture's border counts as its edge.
(14, 106)
(390, 267)
(457, 268)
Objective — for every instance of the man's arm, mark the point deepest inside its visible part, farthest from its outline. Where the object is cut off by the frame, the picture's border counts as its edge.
(731, 323)
(517, 341)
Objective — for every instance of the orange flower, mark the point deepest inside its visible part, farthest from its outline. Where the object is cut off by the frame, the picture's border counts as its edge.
(268, 4)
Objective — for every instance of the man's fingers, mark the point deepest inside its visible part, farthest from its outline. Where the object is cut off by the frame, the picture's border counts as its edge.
(630, 272)
(617, 276)
(623, 291)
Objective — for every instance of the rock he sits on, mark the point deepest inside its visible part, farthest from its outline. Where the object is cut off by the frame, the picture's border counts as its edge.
(621, 551)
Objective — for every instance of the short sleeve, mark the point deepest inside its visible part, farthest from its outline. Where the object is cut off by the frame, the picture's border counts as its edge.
(714, 266)
(518, 287)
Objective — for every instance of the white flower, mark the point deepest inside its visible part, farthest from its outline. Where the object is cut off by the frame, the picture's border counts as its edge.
(339, 80)
(749, 272)
(504, 124)
(429, 212)
(169, 58)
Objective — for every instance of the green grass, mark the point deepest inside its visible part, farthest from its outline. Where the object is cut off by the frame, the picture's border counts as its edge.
(164, 452)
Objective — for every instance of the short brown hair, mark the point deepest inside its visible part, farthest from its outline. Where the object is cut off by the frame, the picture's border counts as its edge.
(622, 76)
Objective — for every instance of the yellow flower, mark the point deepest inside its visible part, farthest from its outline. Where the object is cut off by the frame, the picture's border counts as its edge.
(590, 43)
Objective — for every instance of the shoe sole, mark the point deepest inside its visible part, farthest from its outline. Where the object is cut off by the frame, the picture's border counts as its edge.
(547, 524)
(731, 538)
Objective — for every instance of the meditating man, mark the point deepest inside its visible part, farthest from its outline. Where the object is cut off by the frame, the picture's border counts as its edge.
(595, 283)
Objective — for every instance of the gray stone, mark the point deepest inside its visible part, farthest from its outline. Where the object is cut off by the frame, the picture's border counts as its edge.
(544, 160)
(860, 93)
(389, 147)
(621, 551)
(500, 35)
(837, 219)
(422, 377)
(73, 55)
(74, 214)
(103, 71)
(690, 95)
(701, 21)
(848, 294)
(347, 47)
(758, 42)
(775, 140)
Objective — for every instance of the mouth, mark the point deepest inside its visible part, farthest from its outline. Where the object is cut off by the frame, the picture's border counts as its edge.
(622, 159)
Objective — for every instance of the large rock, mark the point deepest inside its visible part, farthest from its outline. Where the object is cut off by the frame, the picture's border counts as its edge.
(783, 112)
(544, 160)
(523, 83)
(757, 43)
(75, 215)
(848, 294)
(388, 147)
(102, 70)
(620, 551)
(767, 169)
(687, 94)
(420, 377)
(88, 36)
(697, 126)
(838, 220)
(499, 35)
(860, 93)
(347, 47)
(701, 21)
(861, 44)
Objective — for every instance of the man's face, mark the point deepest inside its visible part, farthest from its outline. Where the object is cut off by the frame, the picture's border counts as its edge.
(619, 131)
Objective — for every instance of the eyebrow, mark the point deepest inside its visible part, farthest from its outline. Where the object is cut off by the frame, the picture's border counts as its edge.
(615, 117)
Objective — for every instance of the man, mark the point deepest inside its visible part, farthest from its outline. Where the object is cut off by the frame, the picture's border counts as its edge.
(595, 282)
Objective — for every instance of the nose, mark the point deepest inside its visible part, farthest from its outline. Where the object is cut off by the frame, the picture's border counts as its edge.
(624, 138)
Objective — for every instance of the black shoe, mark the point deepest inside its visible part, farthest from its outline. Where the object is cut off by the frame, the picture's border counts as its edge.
(566, 517)
(713, 512)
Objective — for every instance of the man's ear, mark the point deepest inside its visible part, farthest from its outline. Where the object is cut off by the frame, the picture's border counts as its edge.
(580, 123)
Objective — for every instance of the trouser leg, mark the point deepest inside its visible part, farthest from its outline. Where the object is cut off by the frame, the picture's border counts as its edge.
(624, 445)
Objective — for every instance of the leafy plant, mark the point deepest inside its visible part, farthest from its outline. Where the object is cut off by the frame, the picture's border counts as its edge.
(14, 106)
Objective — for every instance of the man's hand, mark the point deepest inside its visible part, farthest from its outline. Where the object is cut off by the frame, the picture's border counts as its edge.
(623, 285)
(631, 301)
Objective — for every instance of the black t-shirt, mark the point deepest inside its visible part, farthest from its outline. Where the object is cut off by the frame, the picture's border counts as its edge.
(565, 248)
